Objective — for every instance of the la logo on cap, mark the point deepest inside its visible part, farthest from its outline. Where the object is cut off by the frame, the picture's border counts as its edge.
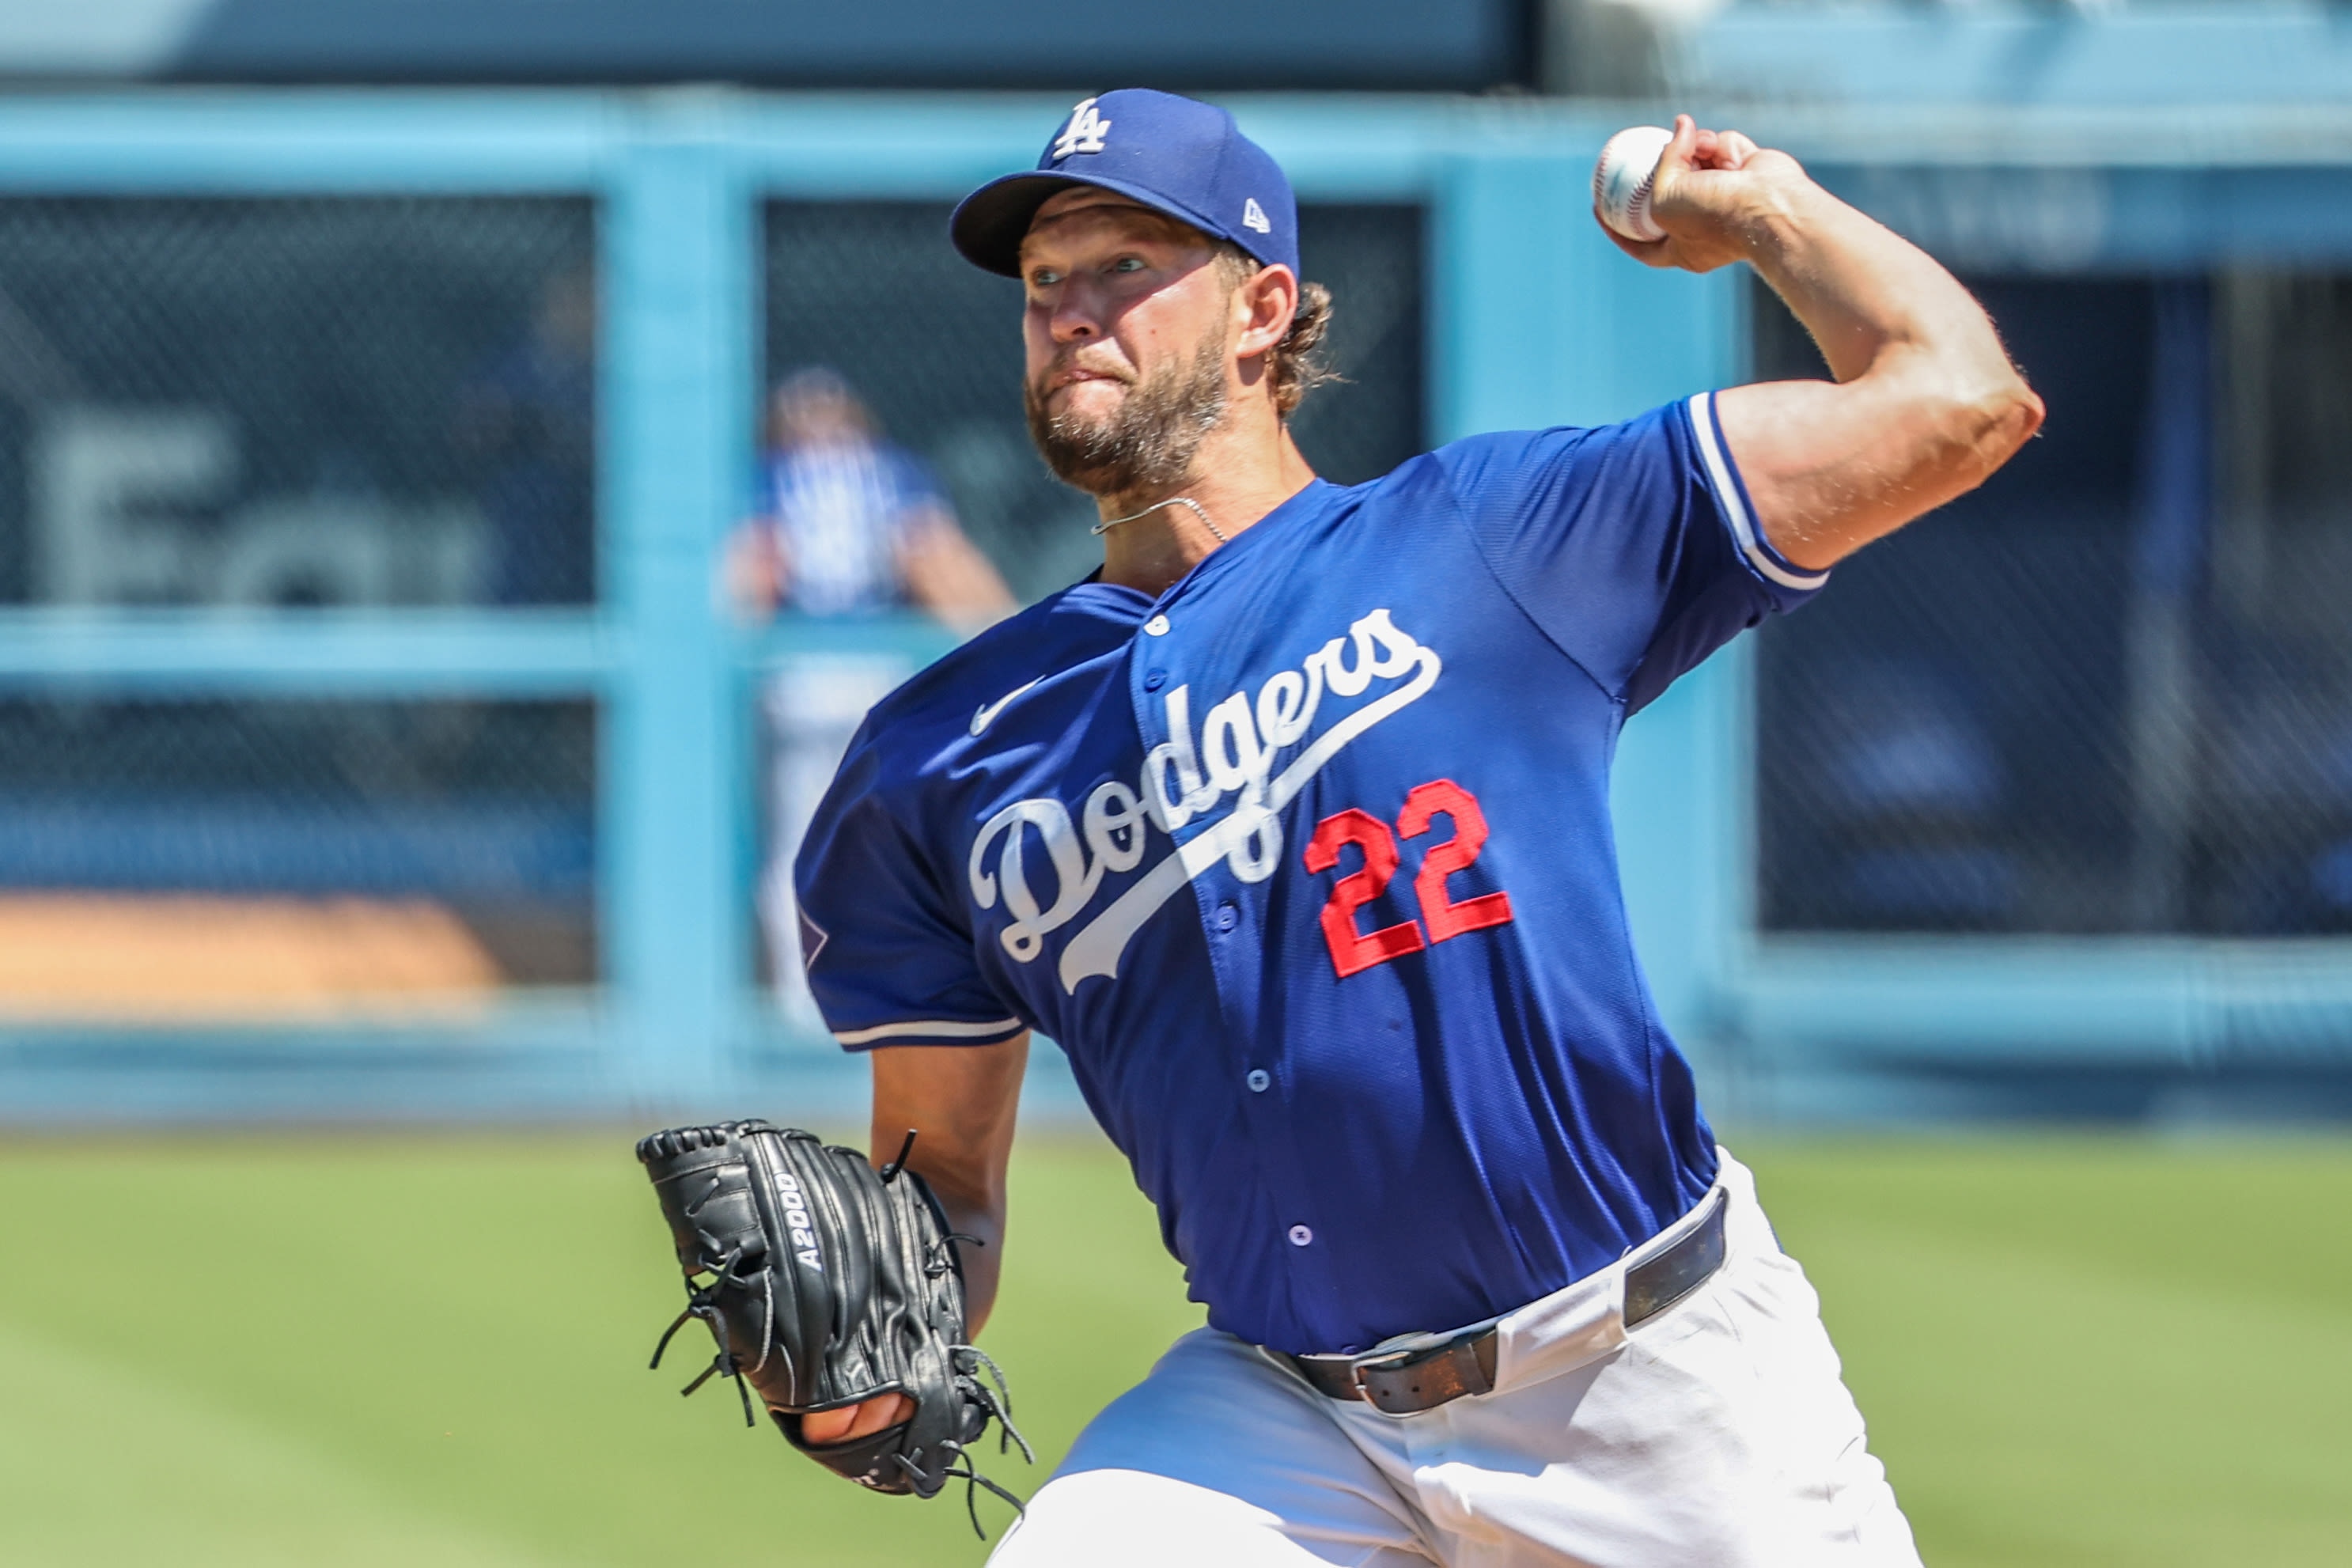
(1253, 216)
(1084, 133)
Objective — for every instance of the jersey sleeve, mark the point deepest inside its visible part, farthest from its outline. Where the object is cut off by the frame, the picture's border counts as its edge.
(1632, 546)
(887, 958)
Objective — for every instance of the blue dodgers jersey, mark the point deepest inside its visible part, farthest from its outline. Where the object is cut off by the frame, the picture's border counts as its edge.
(1308, 866)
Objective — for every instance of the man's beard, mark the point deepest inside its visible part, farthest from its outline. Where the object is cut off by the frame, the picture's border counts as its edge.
(1149, 443)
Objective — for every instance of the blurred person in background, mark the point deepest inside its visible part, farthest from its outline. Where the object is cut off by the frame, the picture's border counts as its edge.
(529, 418)
(850, 524)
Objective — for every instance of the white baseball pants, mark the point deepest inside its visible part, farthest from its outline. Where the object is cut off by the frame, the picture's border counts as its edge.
(1717, 1434)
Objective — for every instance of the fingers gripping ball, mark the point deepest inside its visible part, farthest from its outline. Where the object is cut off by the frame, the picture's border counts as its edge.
(1624, 177)
(826, 1284)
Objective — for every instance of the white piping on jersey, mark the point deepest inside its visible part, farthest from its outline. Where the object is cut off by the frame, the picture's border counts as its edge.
(1726, 495)
(952, 1031)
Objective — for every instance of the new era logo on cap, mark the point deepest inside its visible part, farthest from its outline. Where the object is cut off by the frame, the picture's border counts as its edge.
(1085, 132)
(1178, 155)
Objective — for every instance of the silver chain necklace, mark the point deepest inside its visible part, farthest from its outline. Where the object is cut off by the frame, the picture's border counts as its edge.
(1103, 528)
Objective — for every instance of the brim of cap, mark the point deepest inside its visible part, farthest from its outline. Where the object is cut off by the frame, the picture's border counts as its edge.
(990, 223)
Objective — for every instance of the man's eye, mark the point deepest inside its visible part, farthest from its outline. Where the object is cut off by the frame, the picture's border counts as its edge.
(1044, 277)
(1127, 264)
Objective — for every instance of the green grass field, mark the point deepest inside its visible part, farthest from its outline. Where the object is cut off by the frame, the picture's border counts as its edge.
(292, 1349)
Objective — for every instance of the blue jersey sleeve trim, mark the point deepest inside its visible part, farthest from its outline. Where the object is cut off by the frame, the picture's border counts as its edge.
(1731, 496)
(933, 1031)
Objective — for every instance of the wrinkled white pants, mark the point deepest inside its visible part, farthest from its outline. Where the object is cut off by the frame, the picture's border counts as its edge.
(1716, 1435)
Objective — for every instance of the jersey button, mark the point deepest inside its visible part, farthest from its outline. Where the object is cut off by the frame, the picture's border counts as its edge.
(1229, 915)
(1153, 680)
(1157, 626)
(1300, 1236)
(1259, 1080)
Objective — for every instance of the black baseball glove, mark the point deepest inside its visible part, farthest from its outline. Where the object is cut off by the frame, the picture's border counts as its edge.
(827, 1283)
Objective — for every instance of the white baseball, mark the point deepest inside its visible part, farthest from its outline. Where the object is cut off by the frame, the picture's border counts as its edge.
(1622, 180)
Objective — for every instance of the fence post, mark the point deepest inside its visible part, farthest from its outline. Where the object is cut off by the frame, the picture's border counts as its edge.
(677, 239)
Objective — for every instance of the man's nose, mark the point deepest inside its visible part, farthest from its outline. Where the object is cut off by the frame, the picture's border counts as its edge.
(1074, 318)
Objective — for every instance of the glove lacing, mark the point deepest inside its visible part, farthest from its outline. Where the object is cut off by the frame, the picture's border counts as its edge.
(997, 1401)
(703, 1303)
(970, 1477)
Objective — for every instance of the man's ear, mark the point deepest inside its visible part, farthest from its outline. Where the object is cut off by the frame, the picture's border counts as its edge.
(1266, 303)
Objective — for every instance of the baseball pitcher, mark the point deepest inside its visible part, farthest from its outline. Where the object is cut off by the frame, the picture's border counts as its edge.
(1290, 825)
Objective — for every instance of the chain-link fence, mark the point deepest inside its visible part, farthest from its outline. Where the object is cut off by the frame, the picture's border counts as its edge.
(187, 858)
(267, 404)
(2112, 690)
(312, 401)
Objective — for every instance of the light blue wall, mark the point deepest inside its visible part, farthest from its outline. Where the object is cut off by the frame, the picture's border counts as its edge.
(1535, 319)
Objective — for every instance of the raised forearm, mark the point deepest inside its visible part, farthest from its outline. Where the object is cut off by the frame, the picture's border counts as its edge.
(1863, 292)
(1926, 403)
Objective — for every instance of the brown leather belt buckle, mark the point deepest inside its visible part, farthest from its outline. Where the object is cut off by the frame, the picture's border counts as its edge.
(1424, 1380)
(1406, 1382)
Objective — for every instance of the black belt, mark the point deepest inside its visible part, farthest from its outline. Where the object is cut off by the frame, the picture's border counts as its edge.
(1406, 1383)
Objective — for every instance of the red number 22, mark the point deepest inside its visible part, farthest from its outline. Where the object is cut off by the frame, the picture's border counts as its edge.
(1352, 951)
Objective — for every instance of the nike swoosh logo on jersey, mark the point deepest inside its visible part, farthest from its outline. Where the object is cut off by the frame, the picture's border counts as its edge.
(988, 711)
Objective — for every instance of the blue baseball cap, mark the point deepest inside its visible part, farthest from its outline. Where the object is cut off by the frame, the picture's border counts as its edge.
(1175, 156)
